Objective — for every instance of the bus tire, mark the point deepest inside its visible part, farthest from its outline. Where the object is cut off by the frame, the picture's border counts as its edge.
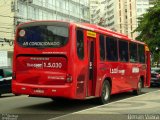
(138, 91)
(105, 93)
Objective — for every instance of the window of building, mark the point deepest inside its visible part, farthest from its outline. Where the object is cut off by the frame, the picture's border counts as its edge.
(131, 20)
(45, 16)
(131, 27)
(131, 34)
(44, 3)
(130, 14)
(139, 10)
(120, 13)
(80, 44)
(31, 12)
(50, 4)
(130, 7)
(121, 27)
(133, 52)
(111, 49)
(102, 47)
(123, 51)
(141, 53)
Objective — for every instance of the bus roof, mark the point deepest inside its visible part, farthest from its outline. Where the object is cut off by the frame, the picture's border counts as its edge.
(91, 27)
(100, 29)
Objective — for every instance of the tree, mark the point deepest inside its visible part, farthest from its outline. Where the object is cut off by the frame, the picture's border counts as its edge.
(149, 29)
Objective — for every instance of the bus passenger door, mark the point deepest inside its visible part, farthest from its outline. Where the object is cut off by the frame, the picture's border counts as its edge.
(91, 66)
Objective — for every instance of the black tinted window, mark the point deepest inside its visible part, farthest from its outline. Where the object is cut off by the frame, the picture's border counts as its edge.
(111, 48)
(7, 72)
(123, 51)
(133, 52)
(102, 47)
(43, 36)
(80, 44)
(141, 53)
(1, 73)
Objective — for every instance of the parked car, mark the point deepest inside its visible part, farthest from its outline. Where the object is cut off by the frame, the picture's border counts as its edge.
(155, 76)
(5, 79)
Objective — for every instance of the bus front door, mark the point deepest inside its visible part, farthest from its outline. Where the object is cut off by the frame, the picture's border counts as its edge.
(91, 67)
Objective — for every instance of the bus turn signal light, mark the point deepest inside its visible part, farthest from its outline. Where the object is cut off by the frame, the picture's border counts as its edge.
(69, 78)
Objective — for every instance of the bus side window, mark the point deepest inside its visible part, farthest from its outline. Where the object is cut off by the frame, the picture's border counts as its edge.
(133, 52)
(111, 49)
(102, 47)
(123, 51)
(80, 44)
(141, 53)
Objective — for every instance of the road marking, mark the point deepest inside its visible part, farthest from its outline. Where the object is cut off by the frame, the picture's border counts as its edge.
(102, 105)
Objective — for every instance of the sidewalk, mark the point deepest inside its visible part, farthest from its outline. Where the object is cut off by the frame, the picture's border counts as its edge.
(142, 107)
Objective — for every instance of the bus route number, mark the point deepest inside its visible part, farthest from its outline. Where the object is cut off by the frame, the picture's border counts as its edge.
(52, 65)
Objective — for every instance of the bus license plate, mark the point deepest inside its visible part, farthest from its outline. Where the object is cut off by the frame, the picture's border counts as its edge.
(39, 91)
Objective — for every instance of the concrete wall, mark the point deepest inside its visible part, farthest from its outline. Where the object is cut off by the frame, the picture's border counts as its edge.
(6, 24)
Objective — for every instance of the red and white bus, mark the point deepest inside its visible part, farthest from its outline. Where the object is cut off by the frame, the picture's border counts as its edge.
(59, 59)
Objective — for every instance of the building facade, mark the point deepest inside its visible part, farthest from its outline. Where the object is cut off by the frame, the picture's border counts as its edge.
(117, 15)
(14, 12)
(142, 6)
(98, 12)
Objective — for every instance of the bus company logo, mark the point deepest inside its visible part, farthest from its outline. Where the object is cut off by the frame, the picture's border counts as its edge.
(116, 70)
(35, 65)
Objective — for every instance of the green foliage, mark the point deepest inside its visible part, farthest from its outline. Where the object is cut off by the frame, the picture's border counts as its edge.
(149, 28)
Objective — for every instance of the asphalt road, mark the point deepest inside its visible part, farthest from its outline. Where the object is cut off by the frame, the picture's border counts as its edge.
(30, 108)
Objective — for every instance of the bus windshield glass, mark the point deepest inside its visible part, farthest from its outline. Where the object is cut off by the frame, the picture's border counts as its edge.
(43, 36)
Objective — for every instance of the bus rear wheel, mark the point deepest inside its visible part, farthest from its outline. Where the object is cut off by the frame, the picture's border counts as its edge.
(105, 93)
(138, 91)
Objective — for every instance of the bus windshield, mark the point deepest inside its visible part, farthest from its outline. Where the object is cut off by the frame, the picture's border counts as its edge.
(43, 36)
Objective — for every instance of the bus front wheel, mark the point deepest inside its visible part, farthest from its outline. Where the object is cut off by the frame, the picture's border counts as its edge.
(138, 91)
(105, 92)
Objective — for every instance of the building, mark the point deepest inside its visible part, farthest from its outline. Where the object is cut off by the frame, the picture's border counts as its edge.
(6, 32)
(130, 18)
(151, 2)
(117, 15)
(142, 6)
(97, 11)
(14, 12)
